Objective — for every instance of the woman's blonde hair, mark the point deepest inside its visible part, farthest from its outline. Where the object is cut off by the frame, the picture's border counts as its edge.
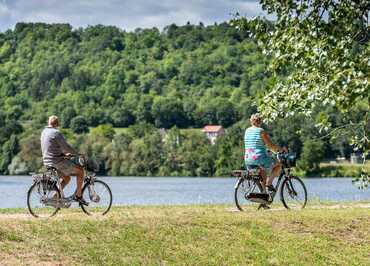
(256, 119)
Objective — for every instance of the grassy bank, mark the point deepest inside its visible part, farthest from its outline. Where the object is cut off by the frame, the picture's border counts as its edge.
(192, 235)
(344, 169)
(335, 170)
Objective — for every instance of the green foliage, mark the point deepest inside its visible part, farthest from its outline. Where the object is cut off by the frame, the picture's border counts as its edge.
(29, 157)
(79, 125)
(106, 131)
(312, 155)
(168, 112)
(184, 77)
(67, 115)
(9, 150)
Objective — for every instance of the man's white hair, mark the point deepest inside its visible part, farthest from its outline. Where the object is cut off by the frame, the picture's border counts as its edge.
(53, 120)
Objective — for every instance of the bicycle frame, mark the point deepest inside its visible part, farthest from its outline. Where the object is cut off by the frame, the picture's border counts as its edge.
(66, 202)
(284, 174)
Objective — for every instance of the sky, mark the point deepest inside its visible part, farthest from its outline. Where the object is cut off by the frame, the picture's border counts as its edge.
(126, 14)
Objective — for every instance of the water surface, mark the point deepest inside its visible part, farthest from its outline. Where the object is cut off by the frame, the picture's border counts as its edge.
(180, 190)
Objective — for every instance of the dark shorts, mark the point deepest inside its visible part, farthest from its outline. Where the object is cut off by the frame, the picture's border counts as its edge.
(66, 167)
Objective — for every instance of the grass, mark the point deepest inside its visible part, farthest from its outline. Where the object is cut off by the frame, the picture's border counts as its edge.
(335, 170)
(191, 235)
(342, 169)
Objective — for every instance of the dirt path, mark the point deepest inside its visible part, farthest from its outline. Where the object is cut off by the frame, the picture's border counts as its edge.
(317, 207)
(62, 215)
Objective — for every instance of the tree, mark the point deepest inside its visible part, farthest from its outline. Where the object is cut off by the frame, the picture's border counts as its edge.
(312, 154)
(116, 153)
(106, 131)
(30, 152)
(67, 115)
(185, 76)
(122, 117)
(168, 112)
(9, 150)
(79, 125)
(324, 47)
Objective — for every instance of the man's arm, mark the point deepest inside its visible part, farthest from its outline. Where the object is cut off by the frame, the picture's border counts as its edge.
(66, 148)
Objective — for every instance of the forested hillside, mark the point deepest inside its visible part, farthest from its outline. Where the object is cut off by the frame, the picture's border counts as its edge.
(101, 78)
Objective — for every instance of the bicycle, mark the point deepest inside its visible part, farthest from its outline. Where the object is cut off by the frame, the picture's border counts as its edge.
(45, 197)
(248, 188)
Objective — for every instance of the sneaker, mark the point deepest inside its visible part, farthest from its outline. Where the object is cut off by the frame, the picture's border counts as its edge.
(80, 200)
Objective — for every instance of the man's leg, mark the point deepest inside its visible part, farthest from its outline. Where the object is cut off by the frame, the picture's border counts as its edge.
(79, 180)
(65, 181)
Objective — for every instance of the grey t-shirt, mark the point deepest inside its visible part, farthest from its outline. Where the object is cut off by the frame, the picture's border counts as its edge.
(54, 146)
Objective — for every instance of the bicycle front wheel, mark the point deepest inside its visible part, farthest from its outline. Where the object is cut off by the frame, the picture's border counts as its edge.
(99, 197)
(42, 200)
(293, 193)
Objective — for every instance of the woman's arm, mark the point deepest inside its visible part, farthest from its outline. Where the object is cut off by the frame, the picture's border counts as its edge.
(268, 143)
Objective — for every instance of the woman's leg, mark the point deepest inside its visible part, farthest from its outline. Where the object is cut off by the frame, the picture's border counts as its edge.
(264, 179)
(274, 173)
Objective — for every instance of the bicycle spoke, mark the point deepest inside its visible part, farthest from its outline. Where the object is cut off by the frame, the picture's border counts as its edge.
(294, 194)
(100, 200)
(39, 198)
(245, 187)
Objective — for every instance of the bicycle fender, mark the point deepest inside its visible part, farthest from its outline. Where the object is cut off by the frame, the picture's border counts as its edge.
(237, 183)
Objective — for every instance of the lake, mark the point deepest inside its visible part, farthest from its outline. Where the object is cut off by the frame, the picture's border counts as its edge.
(180, 190)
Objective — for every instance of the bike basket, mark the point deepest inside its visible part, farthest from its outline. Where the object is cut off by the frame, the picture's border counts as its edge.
(92, 165)
(288, 160)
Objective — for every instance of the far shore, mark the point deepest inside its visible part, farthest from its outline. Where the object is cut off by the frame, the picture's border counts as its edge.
(325, 170)
(310, 177)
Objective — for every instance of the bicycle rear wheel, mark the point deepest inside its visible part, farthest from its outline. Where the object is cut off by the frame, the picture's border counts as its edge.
(242, 189)
(293, 193)
(42, 200)
(99, 197)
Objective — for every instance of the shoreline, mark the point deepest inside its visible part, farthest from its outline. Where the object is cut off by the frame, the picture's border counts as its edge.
(195, 177)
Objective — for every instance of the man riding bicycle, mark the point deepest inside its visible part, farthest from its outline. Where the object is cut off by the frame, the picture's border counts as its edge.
(55, 151)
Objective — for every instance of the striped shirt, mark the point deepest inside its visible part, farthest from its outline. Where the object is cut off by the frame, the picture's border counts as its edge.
(253, 140)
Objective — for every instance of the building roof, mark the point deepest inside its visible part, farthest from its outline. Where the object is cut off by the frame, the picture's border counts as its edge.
(212, 128)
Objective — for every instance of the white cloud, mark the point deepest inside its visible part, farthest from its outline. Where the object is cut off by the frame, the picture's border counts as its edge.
(4, 10)
(127, 14)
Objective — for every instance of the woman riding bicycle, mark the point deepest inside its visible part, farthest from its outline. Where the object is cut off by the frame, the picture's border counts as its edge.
(256, 140)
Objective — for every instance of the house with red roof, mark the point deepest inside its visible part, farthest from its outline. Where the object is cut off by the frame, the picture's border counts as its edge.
(213, 132)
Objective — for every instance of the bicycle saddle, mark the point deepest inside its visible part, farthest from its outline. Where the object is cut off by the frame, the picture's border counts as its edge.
(254, 170)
